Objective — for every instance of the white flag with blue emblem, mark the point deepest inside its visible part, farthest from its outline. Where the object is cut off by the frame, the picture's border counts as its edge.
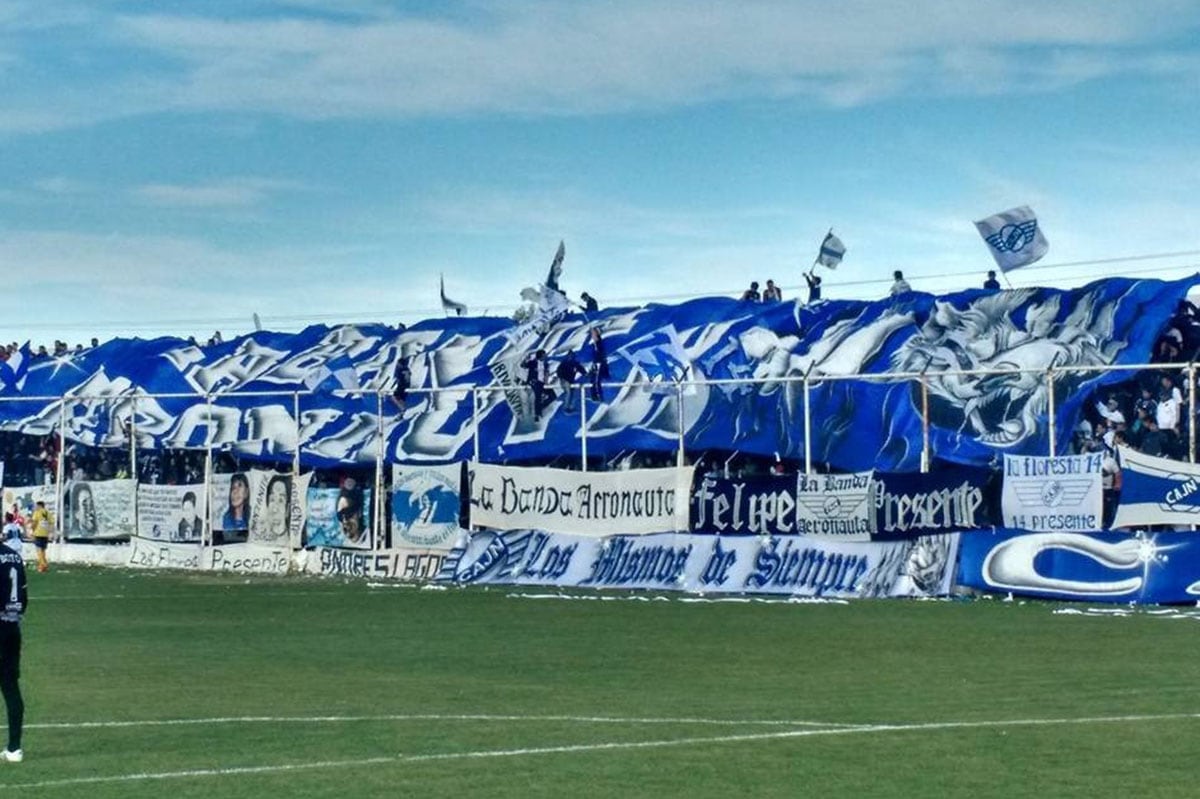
(556, 266)
(1014, 237)
(831, 252)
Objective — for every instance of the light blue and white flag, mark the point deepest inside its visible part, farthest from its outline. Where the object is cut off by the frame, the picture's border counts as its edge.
(1014, 237)
(14, 371)
(1157, 491)
(832, 251)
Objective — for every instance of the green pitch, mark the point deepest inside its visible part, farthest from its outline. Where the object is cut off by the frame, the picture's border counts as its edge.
(303, 687)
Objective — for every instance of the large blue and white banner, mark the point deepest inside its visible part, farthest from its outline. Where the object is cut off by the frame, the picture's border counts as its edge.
(1088, 567)
(1157, 491)
(856, 425)
(638, 501)
(1051, 494)
(790, 565)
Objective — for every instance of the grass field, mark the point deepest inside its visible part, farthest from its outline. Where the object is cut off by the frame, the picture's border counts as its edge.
(304, 687)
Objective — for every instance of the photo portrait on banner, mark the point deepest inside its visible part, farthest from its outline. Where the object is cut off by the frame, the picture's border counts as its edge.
(339, 517)
(172, 513)
(277, 507)
(99, 509)
(230, 508)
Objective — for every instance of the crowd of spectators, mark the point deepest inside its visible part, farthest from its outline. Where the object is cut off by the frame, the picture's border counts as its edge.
(1150, 411)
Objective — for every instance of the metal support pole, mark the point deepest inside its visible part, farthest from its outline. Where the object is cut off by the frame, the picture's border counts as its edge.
(377, 527)
(133, 439)
(60, 470)
(925, 453)
(295, 469)
(1050, 392)
(583, 427)
(206, 534)
(475, 419)
(807, 429)
(1192, 412)
(679, 456)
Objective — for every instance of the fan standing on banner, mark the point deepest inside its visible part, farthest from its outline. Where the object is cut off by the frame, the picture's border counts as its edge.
(14, 592)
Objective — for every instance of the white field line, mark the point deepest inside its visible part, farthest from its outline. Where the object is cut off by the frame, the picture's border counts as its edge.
(594, 747)
(69, 725)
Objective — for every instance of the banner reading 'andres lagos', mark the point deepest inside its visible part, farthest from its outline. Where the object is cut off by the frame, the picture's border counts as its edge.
(636, 502)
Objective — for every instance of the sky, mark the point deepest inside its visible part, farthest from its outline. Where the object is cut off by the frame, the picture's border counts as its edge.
(174, 169)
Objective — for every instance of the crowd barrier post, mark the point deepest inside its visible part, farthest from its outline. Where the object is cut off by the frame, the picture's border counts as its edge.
(925, 453)
(1050, 412)
(60, 469)
(379, 460)
(679, 456)
(583, 427)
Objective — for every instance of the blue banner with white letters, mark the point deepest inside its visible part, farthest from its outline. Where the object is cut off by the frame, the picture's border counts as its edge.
(253, 381)
(1088, 567)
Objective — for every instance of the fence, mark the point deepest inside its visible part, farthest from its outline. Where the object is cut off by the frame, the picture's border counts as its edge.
(123, 415)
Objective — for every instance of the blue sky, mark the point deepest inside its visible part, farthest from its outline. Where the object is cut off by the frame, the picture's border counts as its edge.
(176, 168)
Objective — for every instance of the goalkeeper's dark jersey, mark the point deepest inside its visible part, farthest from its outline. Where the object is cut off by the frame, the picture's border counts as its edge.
(14, 595)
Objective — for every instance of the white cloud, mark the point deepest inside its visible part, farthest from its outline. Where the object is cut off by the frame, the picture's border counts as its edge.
(590, 57)
(229, 193)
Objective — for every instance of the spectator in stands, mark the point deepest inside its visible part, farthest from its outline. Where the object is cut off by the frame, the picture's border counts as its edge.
(537, 375)
(1110, 479)
(1170, 400)
(95, 342)
(1154, 442)
(589, 303)
(899, 284)
(41, 352)
(567, 370)
(751, 294)
(598, 367)
(991, 284)
(401, 379)
(814, 287)
(772, 293)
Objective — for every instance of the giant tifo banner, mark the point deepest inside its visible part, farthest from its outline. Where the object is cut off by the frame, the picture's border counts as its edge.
(172, 513)
(791, 565)
(637, 501)
(1157, 491)
(1087, 567)
(856, 425)
(426, 505)
(99, 509)
(864, 506)
(1051, 494)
